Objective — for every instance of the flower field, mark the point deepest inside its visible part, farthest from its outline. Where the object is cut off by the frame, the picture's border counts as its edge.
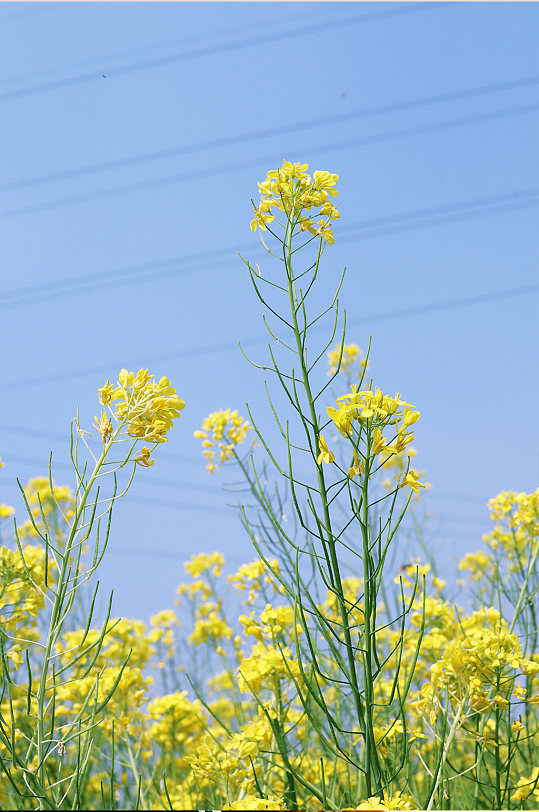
(317, 675)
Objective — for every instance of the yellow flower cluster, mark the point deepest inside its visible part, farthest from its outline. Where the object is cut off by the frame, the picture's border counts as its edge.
(210, 626)
(225, 429)
(146, 407)
(266, 666)
(205, 562)
(395, 802)
(178, 713)
(374, 412)
(381, 411)
(6, 511)
(516, 530)
(253, 802)
(21, 598)
(471, 665)
(53, 507)
(292, 190)
(254, 576)
(273, 621)
(221, 750)
(527, 787)
(255, 736)
(349, 354)
(92, 679)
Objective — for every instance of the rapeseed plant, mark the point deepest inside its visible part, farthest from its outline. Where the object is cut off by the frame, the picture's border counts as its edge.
(313, 677)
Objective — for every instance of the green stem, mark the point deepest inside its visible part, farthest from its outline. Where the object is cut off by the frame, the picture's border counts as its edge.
(523, 591)
(324, 498)
(372, 764)
(444, 754)
(56, 613)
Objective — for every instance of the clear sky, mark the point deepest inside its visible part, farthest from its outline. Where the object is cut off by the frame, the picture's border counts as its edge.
(132, 138)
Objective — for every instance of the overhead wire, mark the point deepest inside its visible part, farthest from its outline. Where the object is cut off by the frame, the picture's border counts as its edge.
(269, 132)
(446, 304)
(54, 437)
(191, 506)
(263, 160)
(173, 483)
(207, 260)
(164, 61)
(222, 48)
(156, 46)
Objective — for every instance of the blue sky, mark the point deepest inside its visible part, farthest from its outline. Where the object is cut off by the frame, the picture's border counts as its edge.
(132, 138)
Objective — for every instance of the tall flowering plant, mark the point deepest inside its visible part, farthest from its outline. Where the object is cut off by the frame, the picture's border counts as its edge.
(337, 670)
(65, 694)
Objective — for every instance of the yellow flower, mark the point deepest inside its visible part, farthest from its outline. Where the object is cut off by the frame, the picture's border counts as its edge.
(358, 466)
(325, 454)
(227, 429)
(349, 354)
(378, 442)
(291, 190)
(411, 479)
(107, 394)
(104, 426)
(146, 408)
(143, 457)
(203, 562)
(254, 802)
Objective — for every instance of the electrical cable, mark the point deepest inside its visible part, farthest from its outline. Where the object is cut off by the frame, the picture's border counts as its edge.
(261, 161)
(173, 483)
(446, 304)
(208, 260)
(215, 50)
(254, 135)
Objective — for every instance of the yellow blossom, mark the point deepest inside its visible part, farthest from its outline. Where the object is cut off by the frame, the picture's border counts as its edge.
(411, 479)
(291, 190)
(227, 429)
(325, 454)
(254, 802)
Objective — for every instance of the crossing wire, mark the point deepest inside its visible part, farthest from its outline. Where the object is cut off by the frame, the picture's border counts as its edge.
(254, 135)
(198, 507)
(173, 483)
(262, 161)
(446, 304)
(220, 257)
(215, 50)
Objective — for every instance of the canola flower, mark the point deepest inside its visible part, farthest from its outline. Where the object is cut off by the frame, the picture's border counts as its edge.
(516, 525)
(366, 415)
(145, 408)
(301, 198)
(223, 430)
(321, 694)
(347, 354)
(44, 579)
(236, 763)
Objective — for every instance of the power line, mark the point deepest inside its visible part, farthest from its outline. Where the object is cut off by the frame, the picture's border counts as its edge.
(197, 507)
(158, 46)
(207, 260)
(170, 180)
(164, 482)
(222, 509)
(241, 138)
(446, 304)
(152, 480)
(214, 50)
(184, 555)
(57, 437)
